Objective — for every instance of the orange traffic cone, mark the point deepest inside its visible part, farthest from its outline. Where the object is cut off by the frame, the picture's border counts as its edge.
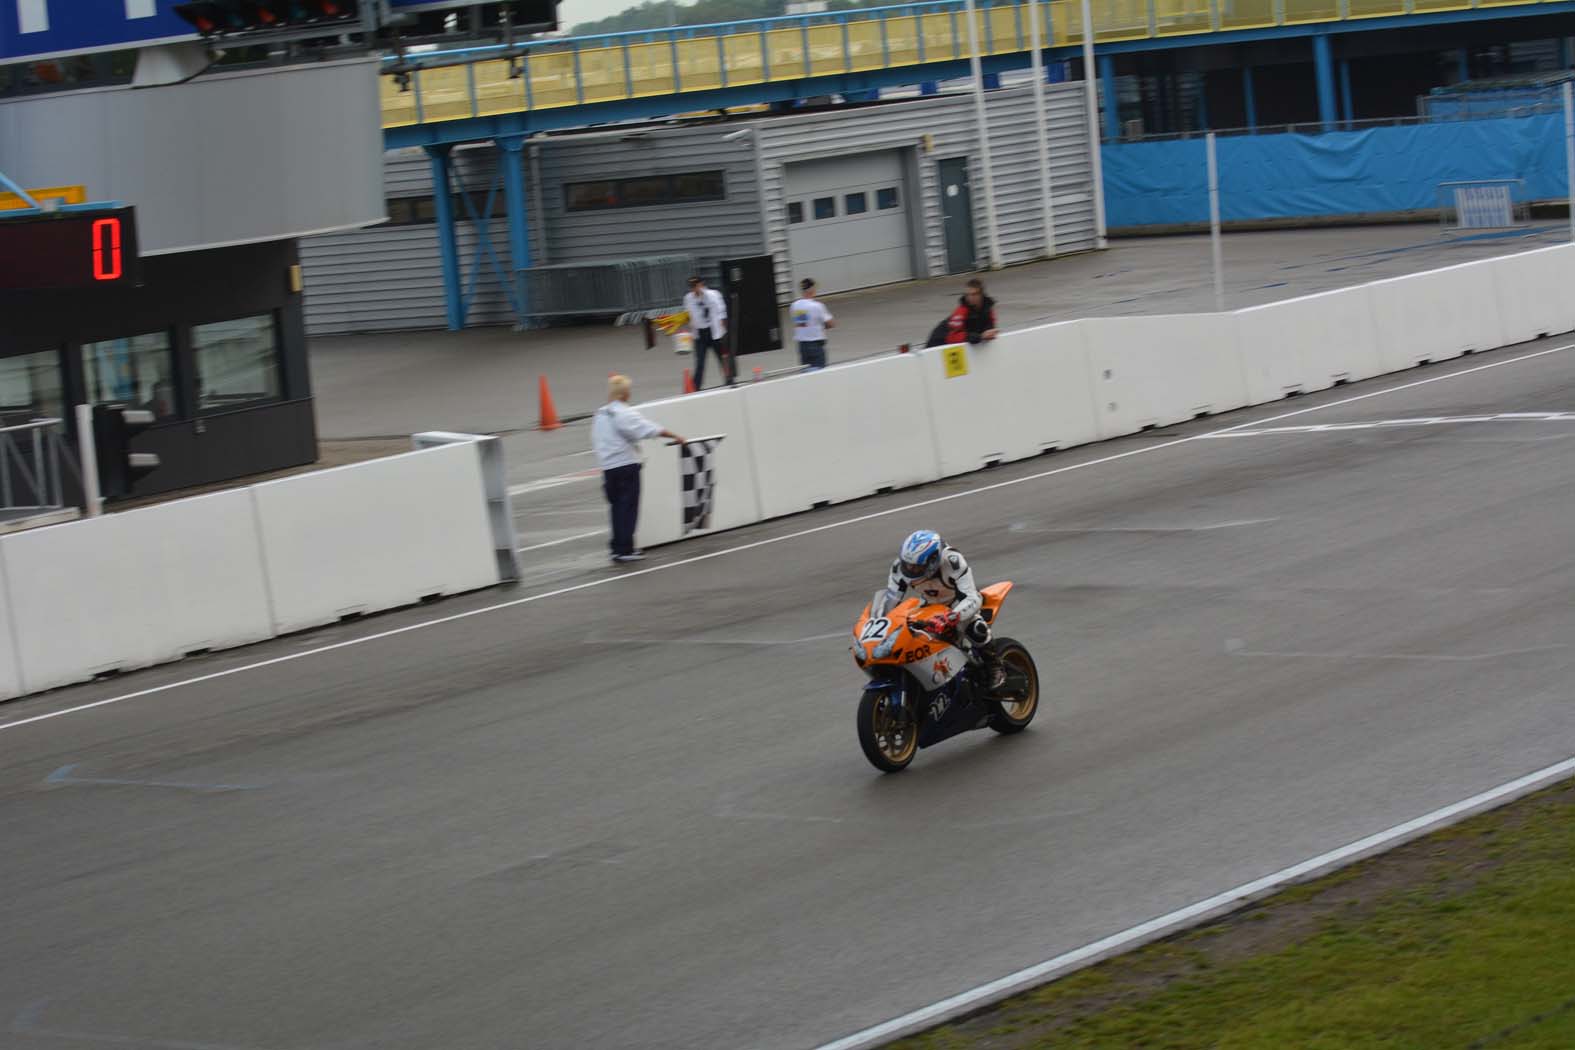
(549, 412)
(689, 383)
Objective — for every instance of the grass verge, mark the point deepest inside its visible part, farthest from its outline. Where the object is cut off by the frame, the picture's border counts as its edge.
(1464, 938)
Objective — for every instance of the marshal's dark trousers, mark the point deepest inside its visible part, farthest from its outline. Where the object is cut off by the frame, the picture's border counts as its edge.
(622, 486)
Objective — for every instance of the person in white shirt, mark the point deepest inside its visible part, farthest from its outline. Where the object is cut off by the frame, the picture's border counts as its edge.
(616, 433)
(708, 321)
(810, 321)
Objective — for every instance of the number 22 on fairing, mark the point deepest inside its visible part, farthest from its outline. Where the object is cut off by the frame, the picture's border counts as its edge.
(875, 630)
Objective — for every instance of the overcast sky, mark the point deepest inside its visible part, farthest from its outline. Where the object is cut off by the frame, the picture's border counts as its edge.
(571, 12)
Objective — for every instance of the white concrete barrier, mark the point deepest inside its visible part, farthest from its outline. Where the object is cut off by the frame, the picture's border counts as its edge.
(1536, 293)
(1297, 346)
(1437, 315)
(142, 587)
(10, 660)
(494, 475)
(375, 535)
(1023, 394)
(719, 411)
(840, 433)
(1154, 371)
(135, 589)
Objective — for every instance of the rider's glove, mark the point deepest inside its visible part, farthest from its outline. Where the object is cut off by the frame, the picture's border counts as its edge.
(941, 623)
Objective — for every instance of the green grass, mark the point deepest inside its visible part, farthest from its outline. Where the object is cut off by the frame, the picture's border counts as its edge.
(1463, 939)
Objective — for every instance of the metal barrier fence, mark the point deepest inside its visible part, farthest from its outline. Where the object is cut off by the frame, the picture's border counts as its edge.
(1482, 204)
(605, 288)
(30, 472)
(546, 74)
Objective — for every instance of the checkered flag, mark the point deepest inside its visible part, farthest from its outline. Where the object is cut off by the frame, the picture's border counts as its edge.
(699, 482)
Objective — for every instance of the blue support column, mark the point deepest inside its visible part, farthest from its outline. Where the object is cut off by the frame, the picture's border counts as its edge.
(1323, 62)
(991, 81)
(512, 154)
(448, 247)
(1249, 98)
(1107, 84)
(929, 87)
(1346, 108)
(1203, 103)
(1564, 52)
(1463, 64)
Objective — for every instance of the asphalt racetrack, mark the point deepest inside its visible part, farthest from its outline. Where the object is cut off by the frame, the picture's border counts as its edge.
(634, 814)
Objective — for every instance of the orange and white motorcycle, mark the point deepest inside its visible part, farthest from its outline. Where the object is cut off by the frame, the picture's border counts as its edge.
(923, 688)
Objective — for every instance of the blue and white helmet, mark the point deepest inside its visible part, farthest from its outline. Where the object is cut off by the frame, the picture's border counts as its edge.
(920, 557)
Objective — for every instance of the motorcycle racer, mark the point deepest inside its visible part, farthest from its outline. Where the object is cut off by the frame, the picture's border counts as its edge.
(939, 575)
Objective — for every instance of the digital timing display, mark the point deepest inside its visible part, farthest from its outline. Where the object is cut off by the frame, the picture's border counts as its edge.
(69, 249)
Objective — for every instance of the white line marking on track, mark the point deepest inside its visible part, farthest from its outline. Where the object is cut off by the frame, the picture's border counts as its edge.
(553, 482)
(1153, 929)
(756, 544)
(639, 640)
(1425, 421)
(566, 539)
(1070, 530)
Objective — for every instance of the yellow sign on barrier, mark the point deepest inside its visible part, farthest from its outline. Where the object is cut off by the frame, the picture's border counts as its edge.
(956, 358)
(59, 194)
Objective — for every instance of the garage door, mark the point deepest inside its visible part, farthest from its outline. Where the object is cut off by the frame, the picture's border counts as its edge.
(848, 223)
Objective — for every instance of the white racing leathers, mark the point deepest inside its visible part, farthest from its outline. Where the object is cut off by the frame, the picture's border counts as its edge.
(953, 586)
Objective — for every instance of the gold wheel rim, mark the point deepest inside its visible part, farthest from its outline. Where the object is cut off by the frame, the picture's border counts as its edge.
(1021, 710)
(897, 740)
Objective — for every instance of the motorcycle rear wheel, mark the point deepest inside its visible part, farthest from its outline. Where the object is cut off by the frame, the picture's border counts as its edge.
(888, 743)
(1015, 714)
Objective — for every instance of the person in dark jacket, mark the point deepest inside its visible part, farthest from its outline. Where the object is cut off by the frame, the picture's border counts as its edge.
(973, 321)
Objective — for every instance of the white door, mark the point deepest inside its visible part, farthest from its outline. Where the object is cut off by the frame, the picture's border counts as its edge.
(848, 221)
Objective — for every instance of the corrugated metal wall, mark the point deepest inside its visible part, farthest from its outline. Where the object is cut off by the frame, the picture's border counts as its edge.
(949, 120)
(232, 157)
(389, 278)
(710, 231)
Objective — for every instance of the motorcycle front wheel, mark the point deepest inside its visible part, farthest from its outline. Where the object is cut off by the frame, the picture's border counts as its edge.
(889, 743)
(1019, 708)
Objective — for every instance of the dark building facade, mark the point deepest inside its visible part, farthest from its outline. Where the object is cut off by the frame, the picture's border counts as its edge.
(213, 343)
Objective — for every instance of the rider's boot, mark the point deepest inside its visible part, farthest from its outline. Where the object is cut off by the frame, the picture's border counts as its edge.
(992, 671)
(994, 668)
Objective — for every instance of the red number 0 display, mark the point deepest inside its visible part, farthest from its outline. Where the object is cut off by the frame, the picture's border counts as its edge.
(106, 250)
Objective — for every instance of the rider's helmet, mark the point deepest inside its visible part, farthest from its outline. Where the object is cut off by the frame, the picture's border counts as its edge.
(920, 557)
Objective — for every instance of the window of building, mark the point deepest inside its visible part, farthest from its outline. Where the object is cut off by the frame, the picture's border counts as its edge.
(825, 207)
(590, 196)
(30, 388)
(645, 191)
(795, 212)
(237, 362)
(886, 198)
(699, 186)
(417, 211)
(401, 210)
(137, 371)
(855, 204)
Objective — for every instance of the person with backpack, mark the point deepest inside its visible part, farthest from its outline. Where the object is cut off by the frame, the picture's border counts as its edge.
(973, 321)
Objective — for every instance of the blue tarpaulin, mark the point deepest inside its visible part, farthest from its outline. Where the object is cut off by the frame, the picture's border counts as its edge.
(1379, 170)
